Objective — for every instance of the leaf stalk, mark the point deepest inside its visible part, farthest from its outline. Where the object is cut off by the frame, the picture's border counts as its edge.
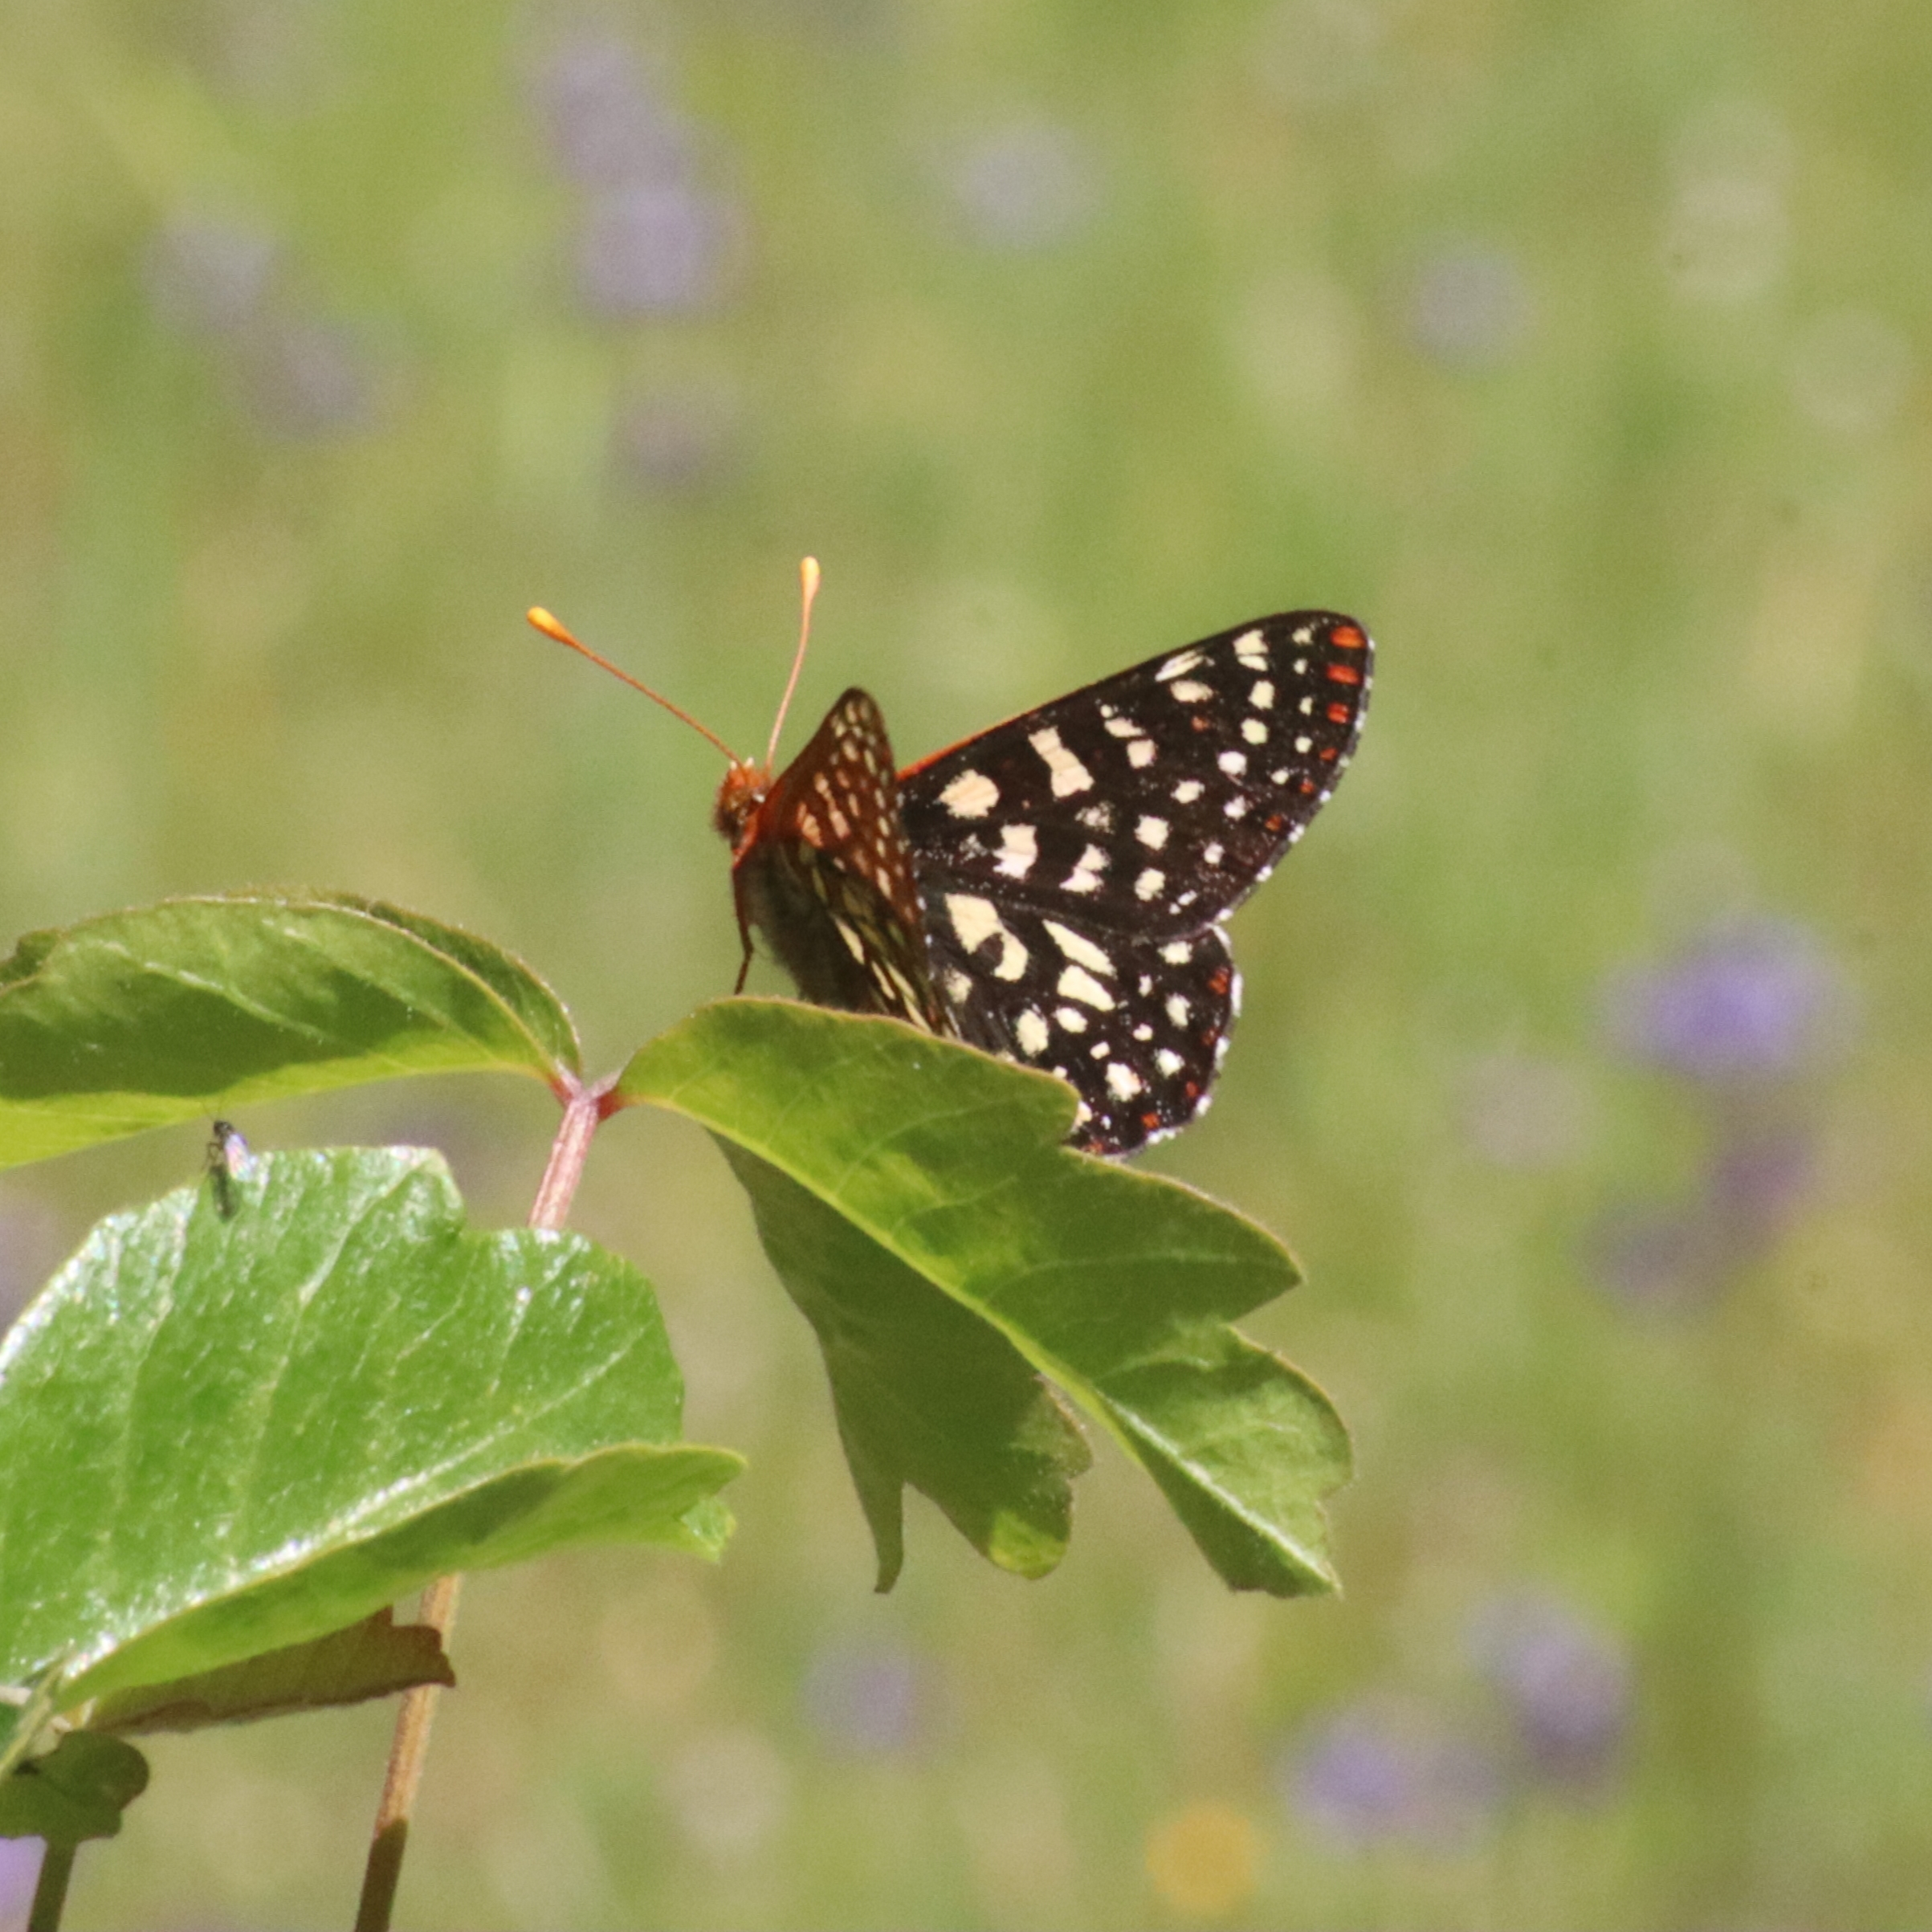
(409, 1749)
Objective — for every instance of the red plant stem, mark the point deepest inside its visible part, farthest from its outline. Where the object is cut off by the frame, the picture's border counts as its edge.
(410, 1748)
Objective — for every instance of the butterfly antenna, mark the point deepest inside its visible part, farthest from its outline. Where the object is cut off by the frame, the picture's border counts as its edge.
(807, 583)
(542, 620)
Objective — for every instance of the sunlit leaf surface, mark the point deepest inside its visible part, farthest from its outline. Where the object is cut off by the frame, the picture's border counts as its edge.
(222, 1436)
(903, 1183)
(141, 1018)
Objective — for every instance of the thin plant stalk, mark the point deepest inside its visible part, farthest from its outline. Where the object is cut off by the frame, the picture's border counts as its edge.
(409, 1749)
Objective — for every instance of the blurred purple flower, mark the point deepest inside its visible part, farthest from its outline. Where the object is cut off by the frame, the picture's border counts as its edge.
(1565, 1684)
(1470, 305)
(1755, 999)
(608, 126)
(309, 379)
(654, 248)
(1366, 1775)
(1658, 1259)
(19, 1872)
(676, 439)
(865, 1703)
(210, 277)
(1026, 185)
(1757, 1178)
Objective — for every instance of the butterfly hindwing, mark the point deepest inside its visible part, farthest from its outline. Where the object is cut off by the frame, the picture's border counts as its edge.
(1137, 1027)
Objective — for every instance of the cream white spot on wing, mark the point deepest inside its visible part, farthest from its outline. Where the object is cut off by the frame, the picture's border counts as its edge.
(1251, 649)
(1012, 962)
(1144, 1032)
(1178, 665)
(1019, 847)
(1254, 731)
(1068, 774)
(1149, 883)
(1191, 691)
(1304, 745)
(1177, 952)
(1282, 776)
(1101, 1049)
(1096, 818)
(1152, 833)
(1178, 1008)
(1169, 1062)
(1262, 696)
(1122, 1082)
(854, 944)
(975, 919)
(1303, 634)
(1076, 946)
(1232, 763)
(1211, 854)
(1123, 728)
(1236, 808)
(809, 825)
(1140, 751)
(971, 795)
(1188, 790)
(1306, 707)
(1076, 983)
(1234, 996)
(1086, 876)
(1071, 1018)
(1031, 1032)
(958, 985)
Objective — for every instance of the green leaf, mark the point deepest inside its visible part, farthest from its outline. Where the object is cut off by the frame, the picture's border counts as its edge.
(77, 1792)
(375, 1658)
(223, 1436)
(24, 1712)
(141, 1018)
(900, 1181)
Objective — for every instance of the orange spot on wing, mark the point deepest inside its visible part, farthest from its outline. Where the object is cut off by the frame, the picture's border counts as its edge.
(1340, 714)
(1342, 674)
(1345, 637)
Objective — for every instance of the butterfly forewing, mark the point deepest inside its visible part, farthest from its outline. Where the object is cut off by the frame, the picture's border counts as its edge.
(1075, 860)
(827, 876)
(1157, 800)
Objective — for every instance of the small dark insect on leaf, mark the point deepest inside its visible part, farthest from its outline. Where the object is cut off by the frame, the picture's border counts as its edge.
(229, 1159)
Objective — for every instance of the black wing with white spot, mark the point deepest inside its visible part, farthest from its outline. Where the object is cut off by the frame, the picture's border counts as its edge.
(1158, 799)
(1138, 1027)
(1075, 860)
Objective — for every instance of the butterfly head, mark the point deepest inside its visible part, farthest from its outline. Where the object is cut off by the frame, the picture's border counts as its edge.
(748, 783)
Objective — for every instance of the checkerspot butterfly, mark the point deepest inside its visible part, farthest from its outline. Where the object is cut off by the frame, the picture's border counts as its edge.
(1053, 890)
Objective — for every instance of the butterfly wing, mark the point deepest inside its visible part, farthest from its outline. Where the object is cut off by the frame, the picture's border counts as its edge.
(1076, 862)
(826, 874)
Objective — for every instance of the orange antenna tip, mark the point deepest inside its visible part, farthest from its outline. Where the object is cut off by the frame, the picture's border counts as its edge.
(808, 575)
(542, 620)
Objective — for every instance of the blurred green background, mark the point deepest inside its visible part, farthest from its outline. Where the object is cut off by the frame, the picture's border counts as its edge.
(1581, 350)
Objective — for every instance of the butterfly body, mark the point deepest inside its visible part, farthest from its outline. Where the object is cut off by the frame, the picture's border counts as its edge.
(1052, 889)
